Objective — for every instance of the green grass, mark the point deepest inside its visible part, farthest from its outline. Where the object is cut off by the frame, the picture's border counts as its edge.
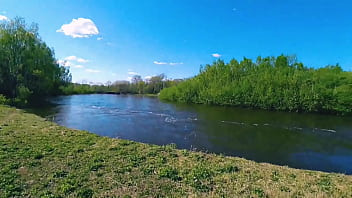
(41, 159)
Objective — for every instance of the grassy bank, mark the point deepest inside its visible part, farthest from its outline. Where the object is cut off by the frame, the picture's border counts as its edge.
(41, 159)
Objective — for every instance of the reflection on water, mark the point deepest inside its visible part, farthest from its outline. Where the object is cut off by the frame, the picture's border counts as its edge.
(309, 141)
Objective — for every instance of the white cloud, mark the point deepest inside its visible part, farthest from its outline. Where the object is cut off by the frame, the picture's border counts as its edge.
(176, 63)
(71, 58)
(60, 62)
(64, 63)
(159, 63)
(129, 78)
(100, 38)
(3, 18)
(67, 62)
(165, 63)
(92, 71)
(216, 55)
(132, 73)
(147, 77)
(79, 28)
(81, 60)
(75, 58)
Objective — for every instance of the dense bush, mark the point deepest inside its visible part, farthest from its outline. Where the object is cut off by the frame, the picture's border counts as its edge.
(274, 83)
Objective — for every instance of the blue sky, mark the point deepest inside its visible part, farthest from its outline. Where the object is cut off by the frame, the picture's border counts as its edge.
(114, 39)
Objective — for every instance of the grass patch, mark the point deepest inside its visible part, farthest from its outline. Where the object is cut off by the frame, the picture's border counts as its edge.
(41, 159)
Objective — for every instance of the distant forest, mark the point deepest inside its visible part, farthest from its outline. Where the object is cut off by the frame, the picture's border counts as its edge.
(273, 83)
(137, 86)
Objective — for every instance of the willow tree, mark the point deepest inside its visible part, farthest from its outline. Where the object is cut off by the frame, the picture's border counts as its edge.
(28, 68)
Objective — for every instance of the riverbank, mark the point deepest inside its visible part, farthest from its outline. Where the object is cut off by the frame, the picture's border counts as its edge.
(40, 158)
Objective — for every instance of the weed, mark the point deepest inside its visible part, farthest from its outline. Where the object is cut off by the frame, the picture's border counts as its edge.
(60, 174)
(38, 156)
(200, 178)
(170, 173)
(228, 169)
(259, 192)
(275, 176)
(85, 193)
(96, 166)
(325, 183)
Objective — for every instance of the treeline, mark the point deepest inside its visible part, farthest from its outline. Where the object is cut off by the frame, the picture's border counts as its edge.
(28, 68)
(137, 86)
(273, 83)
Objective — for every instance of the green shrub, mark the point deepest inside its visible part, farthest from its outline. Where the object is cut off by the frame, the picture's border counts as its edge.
(272, 83)
(4, 100)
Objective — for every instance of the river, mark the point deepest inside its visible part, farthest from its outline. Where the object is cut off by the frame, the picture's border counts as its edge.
(306, 141)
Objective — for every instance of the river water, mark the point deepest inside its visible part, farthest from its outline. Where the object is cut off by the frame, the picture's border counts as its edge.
(307, 141)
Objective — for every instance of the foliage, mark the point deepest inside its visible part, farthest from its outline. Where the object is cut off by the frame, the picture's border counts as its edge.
(4, 100)
(28, 69)
(41, 159)
(137, 86)
(271, 83)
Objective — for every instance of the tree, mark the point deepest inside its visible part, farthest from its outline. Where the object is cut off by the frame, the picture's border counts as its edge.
(136, 79)
(28, 68)
(156, 83)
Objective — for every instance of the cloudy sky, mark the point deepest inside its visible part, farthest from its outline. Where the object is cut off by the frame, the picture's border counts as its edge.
(116, 39)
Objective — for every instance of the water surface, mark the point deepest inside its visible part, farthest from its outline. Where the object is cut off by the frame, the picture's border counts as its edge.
(308, 141)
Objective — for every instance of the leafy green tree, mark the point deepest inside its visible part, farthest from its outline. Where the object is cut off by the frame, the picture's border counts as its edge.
(156, 83)
(28, 68)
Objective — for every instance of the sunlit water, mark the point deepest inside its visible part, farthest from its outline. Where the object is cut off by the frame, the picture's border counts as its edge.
(308, 141)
